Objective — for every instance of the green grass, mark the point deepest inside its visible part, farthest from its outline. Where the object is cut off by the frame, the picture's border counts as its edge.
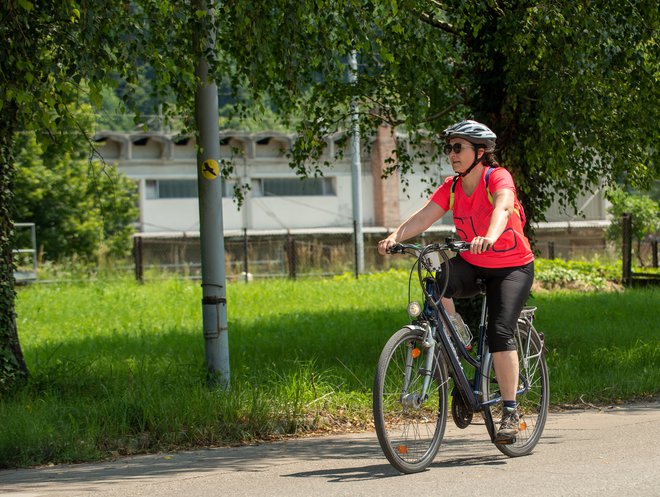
(603, 347)
(117, 367)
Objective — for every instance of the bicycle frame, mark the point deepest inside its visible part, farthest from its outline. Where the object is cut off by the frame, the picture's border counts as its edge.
(432, 323)
(471, 392)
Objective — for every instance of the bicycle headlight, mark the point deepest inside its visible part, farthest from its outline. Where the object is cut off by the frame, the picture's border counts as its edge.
(414, 309)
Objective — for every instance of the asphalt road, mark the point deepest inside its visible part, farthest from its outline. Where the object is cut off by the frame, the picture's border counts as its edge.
(613, 451)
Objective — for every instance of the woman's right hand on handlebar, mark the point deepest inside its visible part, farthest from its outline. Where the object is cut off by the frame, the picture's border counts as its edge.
(385, 245)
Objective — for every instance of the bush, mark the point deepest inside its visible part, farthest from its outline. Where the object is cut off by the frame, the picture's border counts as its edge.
(82, 210)
(579, 275)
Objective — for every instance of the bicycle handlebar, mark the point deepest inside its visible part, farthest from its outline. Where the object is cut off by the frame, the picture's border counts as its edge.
(449, 245)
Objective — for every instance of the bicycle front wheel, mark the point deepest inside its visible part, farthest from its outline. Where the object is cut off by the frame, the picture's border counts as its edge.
(409, 427)
(533, 404)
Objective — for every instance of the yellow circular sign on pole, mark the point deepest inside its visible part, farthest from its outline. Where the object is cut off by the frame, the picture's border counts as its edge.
(210, 169)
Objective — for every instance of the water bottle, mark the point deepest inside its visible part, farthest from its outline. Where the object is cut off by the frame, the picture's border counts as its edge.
(463, 331)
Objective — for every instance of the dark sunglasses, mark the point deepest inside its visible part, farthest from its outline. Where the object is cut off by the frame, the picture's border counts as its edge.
(456, 148)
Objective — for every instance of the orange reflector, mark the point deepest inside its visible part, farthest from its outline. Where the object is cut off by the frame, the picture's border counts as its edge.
(416, 352)
(523, 425)
(402, 449)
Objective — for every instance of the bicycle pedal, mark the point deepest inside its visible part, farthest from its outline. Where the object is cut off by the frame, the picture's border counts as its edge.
(505, 441)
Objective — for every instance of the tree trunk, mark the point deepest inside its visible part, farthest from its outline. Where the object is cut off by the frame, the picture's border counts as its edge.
(490, 105)
(12, 364)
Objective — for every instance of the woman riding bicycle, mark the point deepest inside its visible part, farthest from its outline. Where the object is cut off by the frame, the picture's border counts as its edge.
(487, 214)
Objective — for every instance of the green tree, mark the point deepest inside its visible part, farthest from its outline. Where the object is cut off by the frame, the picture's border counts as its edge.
(569, 87)
(82, 208)
(645, 216)
(58, 52)
(112, 114)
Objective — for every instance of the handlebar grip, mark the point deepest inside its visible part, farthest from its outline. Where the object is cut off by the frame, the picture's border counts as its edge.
(458, 245)
(395, 249)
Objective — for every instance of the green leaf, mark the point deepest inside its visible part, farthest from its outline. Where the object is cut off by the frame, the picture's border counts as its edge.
(96, 97)
(25, 4)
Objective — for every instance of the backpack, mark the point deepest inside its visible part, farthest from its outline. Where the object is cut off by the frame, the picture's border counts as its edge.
(517, 208)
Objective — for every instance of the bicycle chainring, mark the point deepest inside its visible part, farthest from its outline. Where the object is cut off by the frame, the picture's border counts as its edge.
(460, 412)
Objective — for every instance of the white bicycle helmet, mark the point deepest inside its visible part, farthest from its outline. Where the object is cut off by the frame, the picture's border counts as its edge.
(474, 132)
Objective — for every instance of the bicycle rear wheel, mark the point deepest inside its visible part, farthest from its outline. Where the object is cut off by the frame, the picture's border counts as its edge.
(409, 429)
(533, 404)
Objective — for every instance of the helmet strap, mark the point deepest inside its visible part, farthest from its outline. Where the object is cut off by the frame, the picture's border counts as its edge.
(477, 160)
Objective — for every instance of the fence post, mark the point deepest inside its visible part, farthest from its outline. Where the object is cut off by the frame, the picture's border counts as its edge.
(245, 253)
(551, 250)
(137, 257)
(654, 251)
(291, 255)
(627, 249)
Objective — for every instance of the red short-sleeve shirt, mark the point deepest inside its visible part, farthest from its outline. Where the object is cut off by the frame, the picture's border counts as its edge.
(472, 217)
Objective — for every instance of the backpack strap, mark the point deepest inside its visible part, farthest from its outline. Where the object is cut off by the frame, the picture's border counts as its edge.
(517, 206)
(518, 209)
(453, 188)
(490, 195)
(451, 193)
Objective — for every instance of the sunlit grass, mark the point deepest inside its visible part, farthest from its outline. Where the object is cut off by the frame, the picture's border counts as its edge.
(602, 347)
(118, 367)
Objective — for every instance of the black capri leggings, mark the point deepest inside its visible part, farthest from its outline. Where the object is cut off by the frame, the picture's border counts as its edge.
(507, 290)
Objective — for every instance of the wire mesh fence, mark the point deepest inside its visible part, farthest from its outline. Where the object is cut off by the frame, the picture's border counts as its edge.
(259, 255)
(250, 256)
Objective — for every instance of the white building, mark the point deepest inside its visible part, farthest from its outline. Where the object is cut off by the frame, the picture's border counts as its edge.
(164, 166)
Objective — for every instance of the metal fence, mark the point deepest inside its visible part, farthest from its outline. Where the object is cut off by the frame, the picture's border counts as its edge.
(319, 253)
(25, 252)
(249, 256)
(295, 255)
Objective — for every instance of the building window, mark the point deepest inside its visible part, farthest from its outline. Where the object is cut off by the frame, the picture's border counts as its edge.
(290, 187)
(171, 188)
(179, 188)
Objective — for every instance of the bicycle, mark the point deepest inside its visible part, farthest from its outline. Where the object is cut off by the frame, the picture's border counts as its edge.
(419, 363)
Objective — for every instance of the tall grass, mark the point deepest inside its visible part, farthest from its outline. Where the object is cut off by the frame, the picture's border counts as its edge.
(117, 367)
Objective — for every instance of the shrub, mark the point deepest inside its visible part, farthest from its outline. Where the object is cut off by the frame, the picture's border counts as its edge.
(580, 275)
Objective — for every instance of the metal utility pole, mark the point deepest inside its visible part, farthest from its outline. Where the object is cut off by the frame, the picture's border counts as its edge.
(211, 231)
(356, 170)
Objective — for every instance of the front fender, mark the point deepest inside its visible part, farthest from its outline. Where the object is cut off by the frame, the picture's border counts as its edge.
(416, 327)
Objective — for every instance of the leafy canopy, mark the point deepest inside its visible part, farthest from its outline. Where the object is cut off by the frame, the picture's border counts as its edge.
(569, 87)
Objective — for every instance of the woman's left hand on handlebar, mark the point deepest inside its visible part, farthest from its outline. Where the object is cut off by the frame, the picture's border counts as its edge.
(480, 244)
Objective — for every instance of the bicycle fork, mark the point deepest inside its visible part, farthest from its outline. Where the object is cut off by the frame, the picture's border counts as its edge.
(413, 399)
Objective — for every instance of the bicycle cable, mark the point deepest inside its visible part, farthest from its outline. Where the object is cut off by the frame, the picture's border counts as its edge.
(445, 259)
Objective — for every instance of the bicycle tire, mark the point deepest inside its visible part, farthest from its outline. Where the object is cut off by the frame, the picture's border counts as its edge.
(532, 405)
(409, 436)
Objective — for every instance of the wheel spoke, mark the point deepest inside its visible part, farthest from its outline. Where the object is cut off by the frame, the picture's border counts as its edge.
(533, 404)
(409, 429)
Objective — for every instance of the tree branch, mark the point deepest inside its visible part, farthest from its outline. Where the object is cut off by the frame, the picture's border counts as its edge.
(432, 21)
(438, 115)
(396, 122)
